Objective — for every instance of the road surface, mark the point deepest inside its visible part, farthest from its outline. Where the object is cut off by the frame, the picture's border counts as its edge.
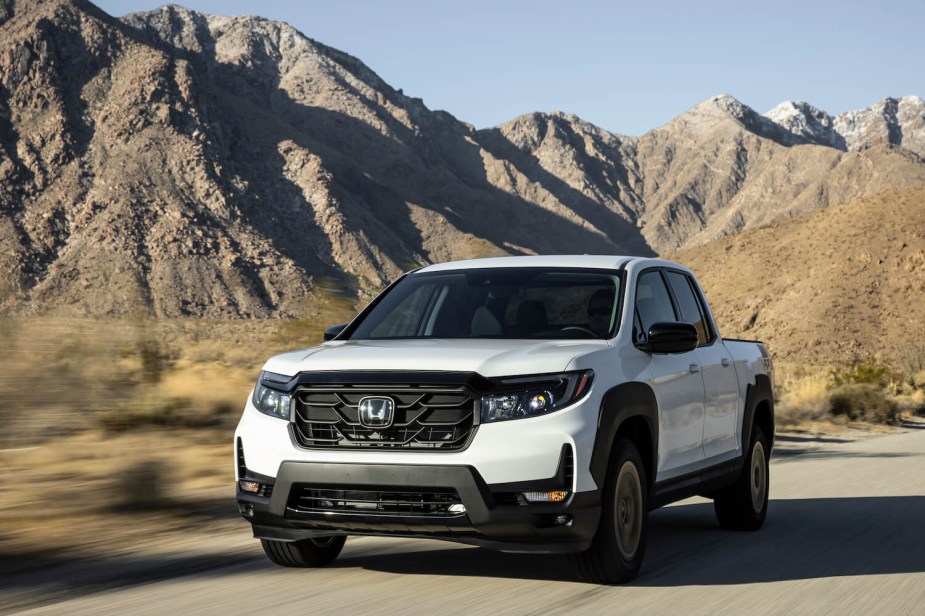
(845, 534)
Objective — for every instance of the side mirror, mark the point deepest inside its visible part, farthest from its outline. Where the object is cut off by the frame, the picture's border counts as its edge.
(332, 332)
(668, 337)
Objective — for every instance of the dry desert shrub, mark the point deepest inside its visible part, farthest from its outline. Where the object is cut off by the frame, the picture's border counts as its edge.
(918, 380)
(912, 361)
(918, 402)
(155, 410)
(912, 401)
(868, 370)
(863, 402)
(140, 487)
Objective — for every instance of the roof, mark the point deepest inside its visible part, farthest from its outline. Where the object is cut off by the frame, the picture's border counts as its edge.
(578, 261)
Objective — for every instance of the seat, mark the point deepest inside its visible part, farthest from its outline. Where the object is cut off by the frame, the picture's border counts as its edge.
(531, 317)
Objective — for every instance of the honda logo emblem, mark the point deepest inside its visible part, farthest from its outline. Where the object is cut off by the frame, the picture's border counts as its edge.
(377, 412)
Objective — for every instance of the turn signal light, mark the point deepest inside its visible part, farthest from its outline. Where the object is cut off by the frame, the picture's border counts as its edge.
(249, 486)
(556, 496)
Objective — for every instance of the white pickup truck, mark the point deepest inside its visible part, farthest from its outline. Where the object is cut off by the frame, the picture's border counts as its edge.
(526, 404)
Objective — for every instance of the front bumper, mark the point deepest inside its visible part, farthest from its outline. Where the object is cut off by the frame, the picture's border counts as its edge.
(494, 517)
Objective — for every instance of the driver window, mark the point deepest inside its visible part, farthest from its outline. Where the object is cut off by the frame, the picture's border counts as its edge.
(653, 304)
(690, 308)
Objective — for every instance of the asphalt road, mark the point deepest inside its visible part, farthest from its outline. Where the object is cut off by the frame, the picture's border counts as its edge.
(845, 534)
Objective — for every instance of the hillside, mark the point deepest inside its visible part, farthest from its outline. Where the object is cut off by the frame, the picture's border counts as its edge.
(828, 287)
(179, 164)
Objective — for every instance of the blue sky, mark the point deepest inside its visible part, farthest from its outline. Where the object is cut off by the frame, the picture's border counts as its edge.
(627, 67)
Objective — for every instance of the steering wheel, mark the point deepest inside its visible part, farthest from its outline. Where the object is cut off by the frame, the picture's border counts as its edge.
(579, 328)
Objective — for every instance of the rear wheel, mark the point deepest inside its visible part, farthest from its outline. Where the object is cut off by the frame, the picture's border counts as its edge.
(744, 504)
(618, 546)
(314, 552)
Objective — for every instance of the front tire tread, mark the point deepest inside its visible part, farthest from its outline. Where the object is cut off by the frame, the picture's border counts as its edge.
(304, 553)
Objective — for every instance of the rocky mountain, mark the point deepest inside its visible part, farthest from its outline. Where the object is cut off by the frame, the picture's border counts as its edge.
(173, 163)
(713, 171)
(891, 122)
(808, 124)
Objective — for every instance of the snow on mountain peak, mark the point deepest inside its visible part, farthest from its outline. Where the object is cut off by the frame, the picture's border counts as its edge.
(808, 122)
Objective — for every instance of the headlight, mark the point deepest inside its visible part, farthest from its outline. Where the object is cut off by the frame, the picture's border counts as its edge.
(539, 395)
(271, 401)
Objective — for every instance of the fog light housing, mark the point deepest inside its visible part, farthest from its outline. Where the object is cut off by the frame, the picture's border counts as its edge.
(562, 520)
(554, 496)
(456, 509)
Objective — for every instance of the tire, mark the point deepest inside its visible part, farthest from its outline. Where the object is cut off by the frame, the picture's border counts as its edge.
(619, 544)
(315, 552)
(744, 504)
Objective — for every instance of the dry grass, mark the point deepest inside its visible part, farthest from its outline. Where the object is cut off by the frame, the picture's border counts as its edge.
(95, 494)
(803, 394)
(105, 418)
(912, 401)
(859, 391)
(60, 376)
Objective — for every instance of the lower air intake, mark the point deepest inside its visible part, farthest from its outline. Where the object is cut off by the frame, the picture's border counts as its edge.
(405, 502)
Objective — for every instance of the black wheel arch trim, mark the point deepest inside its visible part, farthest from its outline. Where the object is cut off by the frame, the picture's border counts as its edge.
(757, 393)
(624, 402)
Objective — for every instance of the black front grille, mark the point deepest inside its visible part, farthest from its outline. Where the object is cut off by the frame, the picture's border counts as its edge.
(434, 418)
(404, 502)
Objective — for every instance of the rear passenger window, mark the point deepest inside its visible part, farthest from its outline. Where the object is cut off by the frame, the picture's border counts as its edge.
(653, 304)
(691, 311)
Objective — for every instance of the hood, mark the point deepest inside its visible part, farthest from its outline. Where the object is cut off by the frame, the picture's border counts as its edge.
(487, 357)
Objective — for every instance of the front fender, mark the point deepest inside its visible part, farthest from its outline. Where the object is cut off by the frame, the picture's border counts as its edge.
(620, 404)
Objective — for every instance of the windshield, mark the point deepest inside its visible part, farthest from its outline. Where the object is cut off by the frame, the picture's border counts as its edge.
(541, 303)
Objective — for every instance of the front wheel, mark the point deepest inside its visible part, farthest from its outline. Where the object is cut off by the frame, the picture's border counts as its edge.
(744, 504)
(618, 546)
(314, 552)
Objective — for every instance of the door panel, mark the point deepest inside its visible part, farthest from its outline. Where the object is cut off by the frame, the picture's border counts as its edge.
(679, 393)
(721, 400)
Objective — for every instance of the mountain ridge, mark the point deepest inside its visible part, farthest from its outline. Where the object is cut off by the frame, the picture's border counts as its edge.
(174, 163)
(897, 122)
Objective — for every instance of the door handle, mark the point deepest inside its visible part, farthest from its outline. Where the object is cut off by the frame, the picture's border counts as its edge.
(695, 368)
(725, 362)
